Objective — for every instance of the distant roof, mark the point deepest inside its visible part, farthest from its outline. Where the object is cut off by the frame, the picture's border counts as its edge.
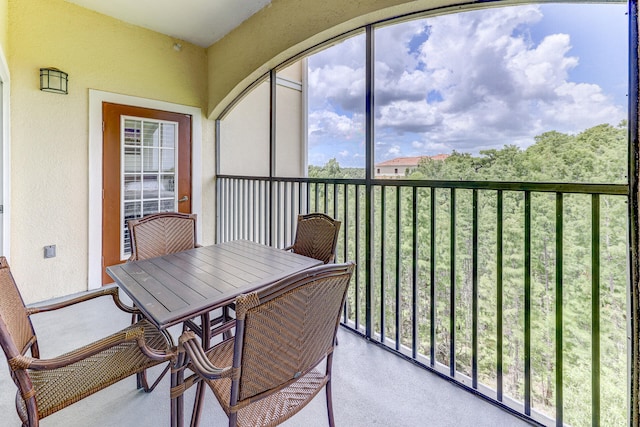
(410, 161)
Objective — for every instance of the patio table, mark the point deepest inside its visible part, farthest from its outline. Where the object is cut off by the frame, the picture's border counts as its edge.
(174, 288)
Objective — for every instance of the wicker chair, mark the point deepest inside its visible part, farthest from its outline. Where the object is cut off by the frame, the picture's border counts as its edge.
(161, 234)
(316, 237)
(167, 233)
(272, 368)
(47, 385)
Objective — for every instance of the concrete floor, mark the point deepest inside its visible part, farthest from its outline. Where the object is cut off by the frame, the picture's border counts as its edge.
(371, 386)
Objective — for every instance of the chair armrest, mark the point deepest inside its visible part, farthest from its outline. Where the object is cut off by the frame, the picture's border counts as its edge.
(199, 361)
(129, 335)
(111, 290)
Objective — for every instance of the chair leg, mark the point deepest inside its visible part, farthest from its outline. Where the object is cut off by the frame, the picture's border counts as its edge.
(141, 380)
(177, 401)
(142, 377)
(329, 404)
(327, 389)
(233, 419)
(197, 405)
(226, 317)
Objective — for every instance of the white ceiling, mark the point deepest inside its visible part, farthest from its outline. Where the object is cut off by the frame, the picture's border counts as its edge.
(201, 22)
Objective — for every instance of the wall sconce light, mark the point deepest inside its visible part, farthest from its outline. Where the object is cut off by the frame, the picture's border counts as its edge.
(53, 80)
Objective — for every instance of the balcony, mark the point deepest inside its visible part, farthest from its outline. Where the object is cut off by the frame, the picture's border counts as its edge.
(371, 386)
(420, 339)
(514, 291)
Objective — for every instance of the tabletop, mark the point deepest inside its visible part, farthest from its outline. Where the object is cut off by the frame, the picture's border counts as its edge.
(173, 288)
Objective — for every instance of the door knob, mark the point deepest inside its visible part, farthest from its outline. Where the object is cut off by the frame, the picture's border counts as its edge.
(184, 199)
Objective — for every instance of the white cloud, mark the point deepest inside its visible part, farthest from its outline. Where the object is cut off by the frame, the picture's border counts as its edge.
(498, 87)
(394, 151)
(438, 148)
(464, 81)
(325, 123)
(409, 116)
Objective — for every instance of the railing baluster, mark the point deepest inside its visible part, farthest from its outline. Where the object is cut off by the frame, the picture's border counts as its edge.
(383, 233)
(326, 200)
(499, 308)
(227, 212)
(398, 242)
(559, 304)
(357, 272)
(237, 222)
(245, 209)
(474, 291)
(432, 279)
(286, 216)
(218, 226)
(239, 209)
(247, 214)
(266, 208)
(452, 288)
(527, 302)
(279, 202)
(260, 216)
(335, 200)
(254, 213)
(268, 204)
(227, 199)
(346, 234)
(229, 220)
(219, 209)
(414, 275)
(300, 184)
(595, 309)
(234, 192)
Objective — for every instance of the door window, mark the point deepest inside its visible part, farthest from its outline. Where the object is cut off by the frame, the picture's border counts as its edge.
(149, 171)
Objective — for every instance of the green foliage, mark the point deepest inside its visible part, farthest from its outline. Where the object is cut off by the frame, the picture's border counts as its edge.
(332, 169)
(596, 155)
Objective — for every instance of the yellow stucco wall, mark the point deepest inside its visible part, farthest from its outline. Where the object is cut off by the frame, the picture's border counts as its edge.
(4, 24)
(50, 132)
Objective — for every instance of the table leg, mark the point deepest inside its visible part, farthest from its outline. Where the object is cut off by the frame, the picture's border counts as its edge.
(177, 403)
(206, 331)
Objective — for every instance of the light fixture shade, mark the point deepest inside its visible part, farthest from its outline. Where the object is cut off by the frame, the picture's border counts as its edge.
(53, 80)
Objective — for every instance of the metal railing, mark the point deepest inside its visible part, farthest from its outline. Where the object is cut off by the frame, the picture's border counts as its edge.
(489, 284)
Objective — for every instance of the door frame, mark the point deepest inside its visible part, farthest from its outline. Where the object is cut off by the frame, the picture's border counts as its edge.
(5, 148)
(96, 98)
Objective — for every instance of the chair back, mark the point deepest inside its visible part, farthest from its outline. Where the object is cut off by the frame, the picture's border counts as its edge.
(284, 331)
(317, 237)
(16, 330)
(161, 234)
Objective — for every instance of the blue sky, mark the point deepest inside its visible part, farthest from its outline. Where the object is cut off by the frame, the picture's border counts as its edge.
(471, 81)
